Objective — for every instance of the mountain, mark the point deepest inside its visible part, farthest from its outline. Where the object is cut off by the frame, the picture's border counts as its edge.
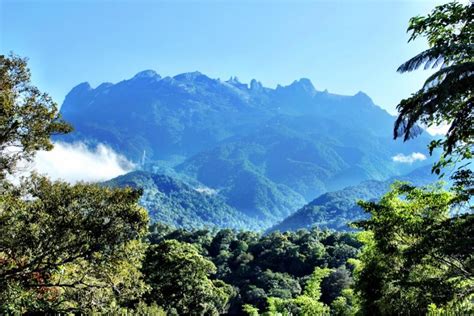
(165, 117)
(336, 209)
(267, 151)
(176, 203)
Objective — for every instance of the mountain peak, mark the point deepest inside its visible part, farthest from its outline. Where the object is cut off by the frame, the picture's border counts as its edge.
(81, 88)
(255, 85)
(147, 74)
(303, 84)
(236, 83)
(191, 76)
(363, 97)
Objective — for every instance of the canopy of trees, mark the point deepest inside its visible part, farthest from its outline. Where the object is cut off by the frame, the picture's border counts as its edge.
(416, 256)
(269, 273)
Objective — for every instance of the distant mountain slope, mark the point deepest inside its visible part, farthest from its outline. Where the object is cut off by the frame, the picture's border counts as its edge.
(267, 151)
(306, 155)
(335, 209)
(175, 203)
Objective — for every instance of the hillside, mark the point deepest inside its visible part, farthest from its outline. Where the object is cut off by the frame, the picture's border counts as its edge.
(335, 209)
(176, 203)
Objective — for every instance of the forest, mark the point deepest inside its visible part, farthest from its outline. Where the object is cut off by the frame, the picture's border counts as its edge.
(385, 247)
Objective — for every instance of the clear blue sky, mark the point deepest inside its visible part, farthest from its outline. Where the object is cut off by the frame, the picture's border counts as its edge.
(342, 46)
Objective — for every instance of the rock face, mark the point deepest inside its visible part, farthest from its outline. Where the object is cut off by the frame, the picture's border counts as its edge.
(267, 151)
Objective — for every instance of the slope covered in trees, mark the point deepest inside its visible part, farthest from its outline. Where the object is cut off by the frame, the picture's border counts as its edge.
(337, 209)
(176, 203)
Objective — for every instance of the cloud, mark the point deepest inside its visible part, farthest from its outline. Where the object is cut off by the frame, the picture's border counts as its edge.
(401, 158)
(76, 162)
(435, 130)
(206, 190)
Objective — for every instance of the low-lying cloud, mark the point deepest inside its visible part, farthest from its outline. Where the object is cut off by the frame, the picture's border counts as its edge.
(77, 162)
(401, 158)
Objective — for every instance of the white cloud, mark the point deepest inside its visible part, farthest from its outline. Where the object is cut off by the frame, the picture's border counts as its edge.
(438, 129)
(76, 162)
(401, 158)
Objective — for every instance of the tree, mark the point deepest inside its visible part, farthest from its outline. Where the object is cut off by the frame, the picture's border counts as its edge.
(306, 304)
(418, 249)
(179, 278)
(415, 255)
(66, 248)
(447, 95)
(336, 282)
(63, 248)
(28, 117)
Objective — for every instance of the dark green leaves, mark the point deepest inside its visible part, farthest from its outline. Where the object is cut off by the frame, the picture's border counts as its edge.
(447, 95)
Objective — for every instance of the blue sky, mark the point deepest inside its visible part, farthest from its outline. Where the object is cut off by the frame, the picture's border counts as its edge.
(343, 46)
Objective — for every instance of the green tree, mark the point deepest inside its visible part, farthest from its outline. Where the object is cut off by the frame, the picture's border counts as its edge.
(179, 278)
(69, 247)
(28, 117)
(306, 304)
(63, 248)
(336, 282)
(347, 304)
(415, 254)
(447, 95)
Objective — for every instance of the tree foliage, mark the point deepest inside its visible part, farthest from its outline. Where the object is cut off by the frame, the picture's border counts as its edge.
(277, 266)
(447, 95)
(28, 117)
(418, 244)
(69, 247)
(63, 248)
(179, 277)
(306, 304)
(415, 254)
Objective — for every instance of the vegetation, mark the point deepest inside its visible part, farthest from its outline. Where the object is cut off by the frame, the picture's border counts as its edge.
(89, 249)
(63, 248)
(447, 95)
(302, 272)
(176, 203)
(418, 243)
(69, 248)
(179, 280)
(28, 117)
(416, 256)
(336, 210)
